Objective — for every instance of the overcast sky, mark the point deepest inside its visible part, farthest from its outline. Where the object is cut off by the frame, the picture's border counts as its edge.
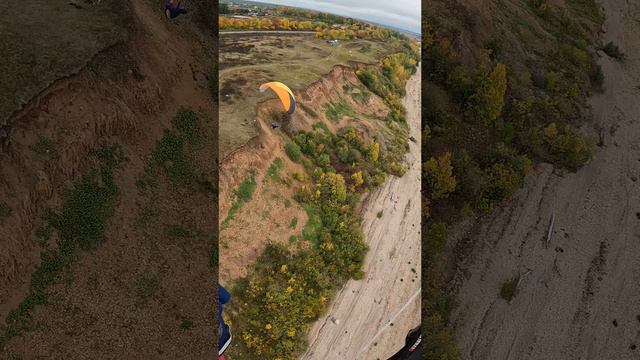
(403, 14)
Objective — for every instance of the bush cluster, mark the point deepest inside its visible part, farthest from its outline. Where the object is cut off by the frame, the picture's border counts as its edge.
(288, 289)
(488, 116)
(389, 80)
(286, 292)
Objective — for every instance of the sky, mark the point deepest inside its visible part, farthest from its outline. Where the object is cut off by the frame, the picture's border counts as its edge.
(403, 14)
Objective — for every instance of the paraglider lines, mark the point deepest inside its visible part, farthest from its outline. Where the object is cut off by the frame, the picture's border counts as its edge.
(393, 318)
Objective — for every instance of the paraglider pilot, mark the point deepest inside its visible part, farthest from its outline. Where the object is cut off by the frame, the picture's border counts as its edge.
(172, 9)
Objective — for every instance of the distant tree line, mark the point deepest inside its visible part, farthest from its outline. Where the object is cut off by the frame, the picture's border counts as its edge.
(323, 28)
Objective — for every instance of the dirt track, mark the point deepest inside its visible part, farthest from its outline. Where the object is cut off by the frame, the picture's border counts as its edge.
(581, 297)
(392, 267)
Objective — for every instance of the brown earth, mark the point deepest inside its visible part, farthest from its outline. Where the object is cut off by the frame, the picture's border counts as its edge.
(266, 217)
(579, 292)
(130, 294)
(30, 43)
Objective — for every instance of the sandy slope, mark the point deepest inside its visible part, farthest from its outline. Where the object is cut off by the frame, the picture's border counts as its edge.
(392, 267)
(581, 299)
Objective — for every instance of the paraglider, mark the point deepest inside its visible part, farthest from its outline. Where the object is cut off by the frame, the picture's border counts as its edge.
(284, 93)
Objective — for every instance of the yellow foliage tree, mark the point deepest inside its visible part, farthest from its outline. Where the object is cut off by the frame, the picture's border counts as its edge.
(550, 132)
(439, 174)
(496, 91)
(375, 152)
(357, 178)
(487, 102)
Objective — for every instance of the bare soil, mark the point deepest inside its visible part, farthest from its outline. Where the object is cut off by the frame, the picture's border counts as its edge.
(579, 293)
(31, 38)
(134, 293)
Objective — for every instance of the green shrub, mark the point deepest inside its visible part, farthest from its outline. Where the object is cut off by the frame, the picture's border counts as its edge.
(568, 147)
(438, 342)
(243, 194)
(503, 182)
(45, 146)
(509, 288)
(187, 123)
(438, 173)
(505, 170)
(337, 111)
(170, 155)
(389, 81)
(273, 172)
(612, 50)
(186, 324)
(293, 151)
(596, 76)
(434, 240)
(588, 8)
(87, 206)
(469, 177)
(5, 211)
(320, 125)
(314, 224)
(487, 100)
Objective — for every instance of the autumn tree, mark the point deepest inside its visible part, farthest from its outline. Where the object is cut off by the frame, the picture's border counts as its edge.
(375, 152)
(487, 102)
(439, 174)
(567, 146)
(357, 178)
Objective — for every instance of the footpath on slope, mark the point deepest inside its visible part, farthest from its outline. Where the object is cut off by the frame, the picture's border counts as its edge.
(392, 266)
(579, 298)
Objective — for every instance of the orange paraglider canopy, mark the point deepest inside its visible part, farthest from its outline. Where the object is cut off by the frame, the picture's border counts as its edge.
(283, 92)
